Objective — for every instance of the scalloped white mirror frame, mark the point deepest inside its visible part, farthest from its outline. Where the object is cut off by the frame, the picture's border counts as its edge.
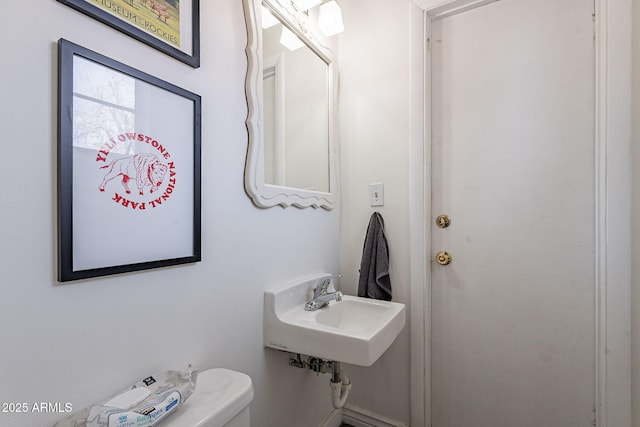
(262, 194)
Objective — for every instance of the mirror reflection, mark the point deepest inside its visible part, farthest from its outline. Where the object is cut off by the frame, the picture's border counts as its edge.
(295, 109)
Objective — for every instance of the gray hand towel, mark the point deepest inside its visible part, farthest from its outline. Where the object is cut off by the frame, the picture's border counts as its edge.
(375, 281)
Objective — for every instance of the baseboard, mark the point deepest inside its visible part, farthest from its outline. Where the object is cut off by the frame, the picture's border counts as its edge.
(333, 420)
(359, 417)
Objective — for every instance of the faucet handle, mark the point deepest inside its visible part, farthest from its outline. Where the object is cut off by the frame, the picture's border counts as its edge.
(323, 285)
(326, 280)
(332, 279)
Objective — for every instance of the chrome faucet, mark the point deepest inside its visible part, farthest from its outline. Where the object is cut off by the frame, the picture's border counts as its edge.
(321, 297)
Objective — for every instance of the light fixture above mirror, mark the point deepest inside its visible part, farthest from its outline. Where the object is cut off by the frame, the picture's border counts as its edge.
(290, 40)
(329, 15)
(330, 18)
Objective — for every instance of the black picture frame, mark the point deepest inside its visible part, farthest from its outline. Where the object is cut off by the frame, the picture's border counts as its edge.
(101, 153)
(117, 20)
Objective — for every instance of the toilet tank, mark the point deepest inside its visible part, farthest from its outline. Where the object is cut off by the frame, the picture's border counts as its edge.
(221, 399)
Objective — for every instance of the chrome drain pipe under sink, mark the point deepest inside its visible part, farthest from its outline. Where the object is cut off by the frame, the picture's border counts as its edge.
(340, 386)
(339, 383)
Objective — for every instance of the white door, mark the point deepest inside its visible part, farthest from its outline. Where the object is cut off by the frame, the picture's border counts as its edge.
(513, 317)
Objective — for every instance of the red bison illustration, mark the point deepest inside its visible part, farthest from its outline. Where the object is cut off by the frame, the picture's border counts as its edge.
(145, 168)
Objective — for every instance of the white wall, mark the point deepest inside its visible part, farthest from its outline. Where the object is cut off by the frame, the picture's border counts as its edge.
(374, 136)
(81, 342)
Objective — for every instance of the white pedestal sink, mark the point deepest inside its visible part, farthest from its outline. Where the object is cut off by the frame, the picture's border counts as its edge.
(355, 330)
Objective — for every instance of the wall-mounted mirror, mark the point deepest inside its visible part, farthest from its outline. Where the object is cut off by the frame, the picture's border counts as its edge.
(291, 94)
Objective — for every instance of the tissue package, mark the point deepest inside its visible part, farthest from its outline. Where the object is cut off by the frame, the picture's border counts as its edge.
(156, 397)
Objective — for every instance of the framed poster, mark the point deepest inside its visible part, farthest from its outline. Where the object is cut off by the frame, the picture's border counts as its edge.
(128, 168)
(171, 26)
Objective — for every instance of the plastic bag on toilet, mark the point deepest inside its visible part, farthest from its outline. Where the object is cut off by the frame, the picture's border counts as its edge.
(145, 403)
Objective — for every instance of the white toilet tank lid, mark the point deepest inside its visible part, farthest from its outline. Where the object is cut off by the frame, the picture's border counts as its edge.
(220, 395)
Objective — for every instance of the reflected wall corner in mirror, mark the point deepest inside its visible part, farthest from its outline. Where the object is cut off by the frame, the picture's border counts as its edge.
(291, 95)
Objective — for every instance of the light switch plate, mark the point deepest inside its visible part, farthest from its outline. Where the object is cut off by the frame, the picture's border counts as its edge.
(376, 194)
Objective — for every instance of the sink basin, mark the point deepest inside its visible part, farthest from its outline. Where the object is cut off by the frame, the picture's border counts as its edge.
(355, 330)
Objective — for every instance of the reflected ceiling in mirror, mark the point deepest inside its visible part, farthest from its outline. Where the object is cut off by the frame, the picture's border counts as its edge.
(291, 97)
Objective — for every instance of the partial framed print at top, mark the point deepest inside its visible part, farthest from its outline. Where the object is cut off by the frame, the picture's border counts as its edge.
(128, 168)
(171, 26)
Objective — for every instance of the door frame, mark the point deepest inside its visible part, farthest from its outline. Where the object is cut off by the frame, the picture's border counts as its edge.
(612, 182)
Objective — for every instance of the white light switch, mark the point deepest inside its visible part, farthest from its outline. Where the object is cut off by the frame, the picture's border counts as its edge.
(376, 194)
